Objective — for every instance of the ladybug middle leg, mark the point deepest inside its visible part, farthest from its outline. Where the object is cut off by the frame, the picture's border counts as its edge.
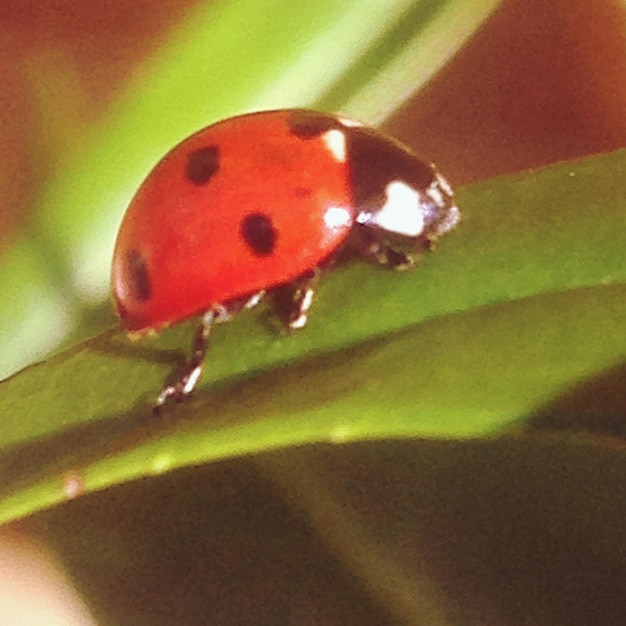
(187, 379)
(394, 251)
(291, 302)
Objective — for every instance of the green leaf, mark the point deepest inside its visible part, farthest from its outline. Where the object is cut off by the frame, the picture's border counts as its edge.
(526, 299)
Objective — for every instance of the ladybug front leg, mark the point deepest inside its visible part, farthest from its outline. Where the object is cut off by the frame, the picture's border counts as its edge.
(396, 252)
(184, 386)
(291, 302)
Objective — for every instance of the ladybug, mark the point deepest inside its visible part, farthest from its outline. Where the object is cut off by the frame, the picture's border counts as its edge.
(260, 204)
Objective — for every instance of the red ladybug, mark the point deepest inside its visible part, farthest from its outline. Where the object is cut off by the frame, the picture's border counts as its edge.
(259, 204)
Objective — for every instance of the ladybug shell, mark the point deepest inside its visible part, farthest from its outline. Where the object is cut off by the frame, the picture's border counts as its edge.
(241, 206)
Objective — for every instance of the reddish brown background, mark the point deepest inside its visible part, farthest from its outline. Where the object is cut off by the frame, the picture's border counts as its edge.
(542, 81)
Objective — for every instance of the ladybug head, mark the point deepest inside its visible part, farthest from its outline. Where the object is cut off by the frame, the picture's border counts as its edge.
(402, 203)
(408, 219)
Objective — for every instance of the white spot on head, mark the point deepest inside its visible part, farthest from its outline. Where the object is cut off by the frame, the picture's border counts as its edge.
(335, 141)
(401, 213)
(337, 217)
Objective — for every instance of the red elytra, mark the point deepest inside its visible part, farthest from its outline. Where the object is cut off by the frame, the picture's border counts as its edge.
(181, 249)
(259, 203)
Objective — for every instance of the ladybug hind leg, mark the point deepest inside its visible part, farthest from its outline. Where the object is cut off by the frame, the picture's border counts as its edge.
(187, 380)
(291, 302)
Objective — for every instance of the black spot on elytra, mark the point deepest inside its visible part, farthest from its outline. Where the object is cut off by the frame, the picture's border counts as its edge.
(259, 233)
(138, 278)
(374, 161)
(309, 124)
(202, 164)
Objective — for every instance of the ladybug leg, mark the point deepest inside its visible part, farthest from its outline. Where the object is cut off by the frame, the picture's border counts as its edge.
(398, 253)
(291, 302)
(188, 378)
(185, 384)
